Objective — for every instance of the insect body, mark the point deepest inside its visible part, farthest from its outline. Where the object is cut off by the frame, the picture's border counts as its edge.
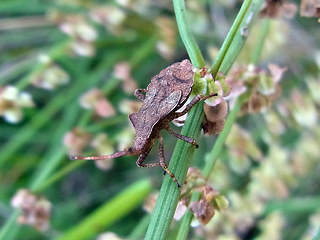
(164, 96)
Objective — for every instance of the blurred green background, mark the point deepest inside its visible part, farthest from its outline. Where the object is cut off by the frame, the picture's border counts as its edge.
(70, 69)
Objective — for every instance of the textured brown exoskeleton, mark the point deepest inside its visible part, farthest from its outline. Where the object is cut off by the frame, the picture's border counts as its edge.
(167, 93)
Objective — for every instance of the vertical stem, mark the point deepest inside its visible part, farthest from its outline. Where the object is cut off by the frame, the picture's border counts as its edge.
(183, 152)
(226, 57)
(229, 39)
(186, 35)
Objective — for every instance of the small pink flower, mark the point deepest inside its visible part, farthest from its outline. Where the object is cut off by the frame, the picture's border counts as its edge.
(94, 99)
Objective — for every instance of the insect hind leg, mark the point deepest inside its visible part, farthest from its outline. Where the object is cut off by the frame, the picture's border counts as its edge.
(163, 163)
(182, 137)
(141, 159)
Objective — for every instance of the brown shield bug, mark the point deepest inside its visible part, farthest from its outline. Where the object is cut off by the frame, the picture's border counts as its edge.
(164, 96)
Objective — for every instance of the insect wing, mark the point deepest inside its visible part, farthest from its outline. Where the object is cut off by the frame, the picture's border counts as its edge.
(152, 112)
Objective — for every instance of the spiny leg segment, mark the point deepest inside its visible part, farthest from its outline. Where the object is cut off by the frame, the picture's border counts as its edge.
(115, 155)
(182, 137)
(163, 163)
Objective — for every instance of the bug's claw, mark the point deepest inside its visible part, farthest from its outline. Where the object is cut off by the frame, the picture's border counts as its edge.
(164, 172)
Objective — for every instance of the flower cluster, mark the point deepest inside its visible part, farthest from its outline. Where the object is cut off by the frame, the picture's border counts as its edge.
(35, 209)
(11, 103)
(211, 200)
(215, 108)
(50, 76)
(262, 87)
(82, 33)
(94, 99)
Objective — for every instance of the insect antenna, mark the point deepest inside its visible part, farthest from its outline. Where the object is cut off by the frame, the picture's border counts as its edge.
(114, 155)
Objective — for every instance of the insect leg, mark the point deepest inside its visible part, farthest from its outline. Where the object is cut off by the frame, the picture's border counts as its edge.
(182, 137)
(163, 163)
(140, 94)
(115, 155)
(141, 159)
(193, 102)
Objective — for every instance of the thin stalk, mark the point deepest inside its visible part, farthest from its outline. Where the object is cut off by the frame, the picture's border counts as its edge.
(9, 230)
(230, 38)
(265, 25)
(183, 152)
(187, 217)
(218, 145)
(116, 208)
(186, 34)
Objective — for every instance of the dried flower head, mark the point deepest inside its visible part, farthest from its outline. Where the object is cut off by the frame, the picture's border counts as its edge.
(263, 87)
(51, 76)
(122, 71)
(211, 199)
(77, 27)
(76, 140)
(35, 209)
(94, 99)
(310, 8)
(214, 118)
(109, 16)
(82, 33)
(278, 8)
(202, 210)
(11, 103)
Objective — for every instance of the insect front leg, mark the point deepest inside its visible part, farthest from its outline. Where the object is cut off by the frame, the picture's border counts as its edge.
(182, 137)
(163, 162)
(140, 94)
(193, 102)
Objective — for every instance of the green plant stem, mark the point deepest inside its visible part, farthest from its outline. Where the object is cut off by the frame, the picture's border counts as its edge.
(239, 38)
(265, 25)
(108, 213)
(226, 57)
(9, 230)
(183, 152)
(230, 38)
(186, 35)
(179, 164)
